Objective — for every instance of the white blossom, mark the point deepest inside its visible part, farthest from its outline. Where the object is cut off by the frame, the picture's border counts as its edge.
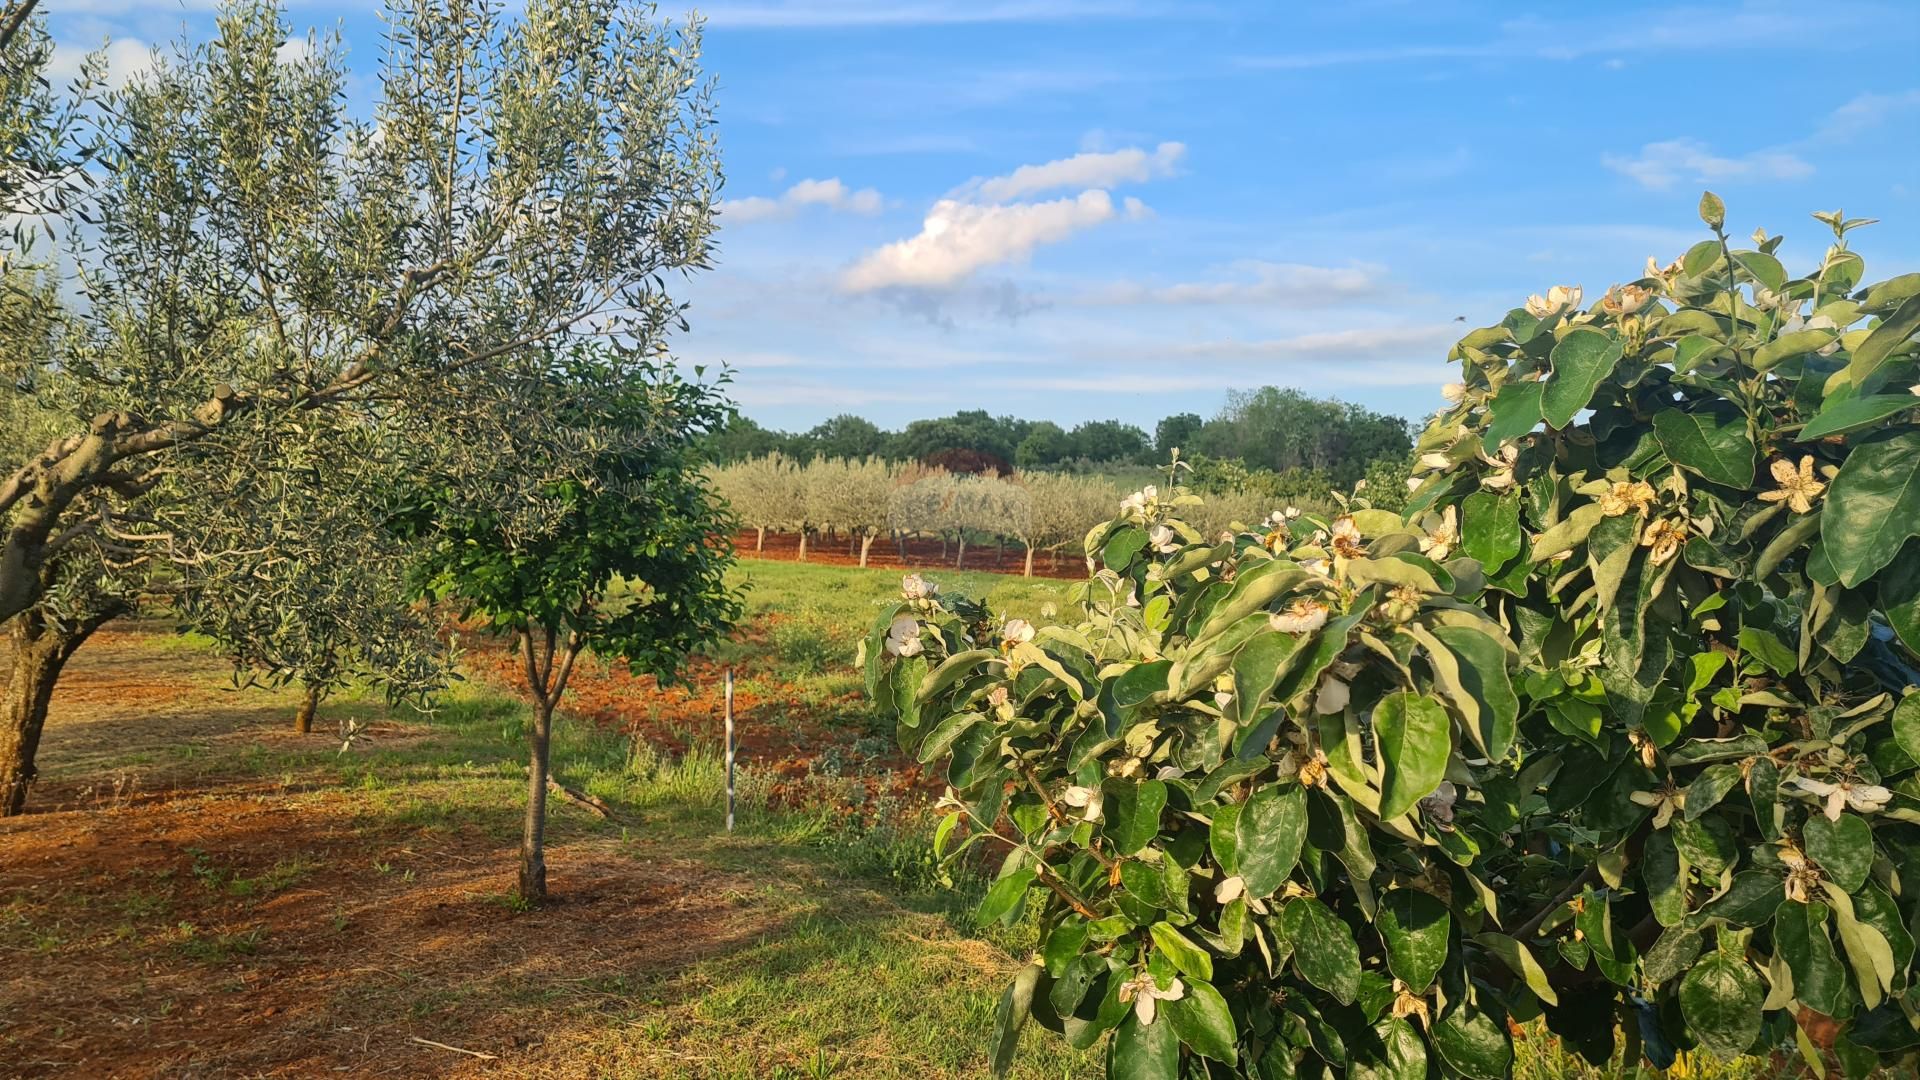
(903, 637)
(1558, 299)
(1866, 798)
(1332, 696)
(915, 587)
(1143, 992)
(1088, 800)
(1017, 632)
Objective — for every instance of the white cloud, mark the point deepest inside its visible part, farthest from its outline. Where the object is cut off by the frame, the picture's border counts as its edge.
(1294, 285)
(958, 238)
(1373, 343)
(1659, 165)
(830, 193)
(126, 59)
(1087, 170)
(1866, 112)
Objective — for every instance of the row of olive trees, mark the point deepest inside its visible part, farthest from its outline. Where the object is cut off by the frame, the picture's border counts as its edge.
(863, 499)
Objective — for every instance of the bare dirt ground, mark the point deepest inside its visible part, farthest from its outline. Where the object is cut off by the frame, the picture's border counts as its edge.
(921, 554)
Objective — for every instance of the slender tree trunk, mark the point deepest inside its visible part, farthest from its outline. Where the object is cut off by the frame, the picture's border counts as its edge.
(853, 540)
(1029, 571)
(533, 837)
(943, 547)
(547, 668)
(309, 704)
(760, 540)
(961, 559)
(803, 545)
(866, 542)
(41, 648)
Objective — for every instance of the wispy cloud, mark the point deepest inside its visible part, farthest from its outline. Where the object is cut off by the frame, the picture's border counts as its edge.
(829, 193)
(1866, 112)
(1659, 165)
(814, 14)
(1093, 169)
(1269, 284)
(958, 238)
(126, 58)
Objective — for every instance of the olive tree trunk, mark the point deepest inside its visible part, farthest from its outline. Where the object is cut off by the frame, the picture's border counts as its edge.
(803, 546)
(1029, 570)
(41, 649)
(760, 538)
(309, 704)
(866, 542)
(960, 560)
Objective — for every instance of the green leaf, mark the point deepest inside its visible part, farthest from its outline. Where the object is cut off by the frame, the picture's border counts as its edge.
(1519, 959)
(950, 671)
(1873, 506)
(1709, 788)
(1819, 979)
(1712, 442)
(1483, 674)
(1324, 951)
(1414, 926)
(1402, 1056)
(1515, 411)
(1900, 596)
(1191, 959)
(1766, 647)
(1701, 751)
(1712, 210)
(1666, 878)
(1256, 667)
(1671, 955)
(941, 738)
(1015, 1006)
(1144, 1052)
(1894, 332)
(1789, 345)
(1202, 1020)
(1002, 895)
(1721, 1000)
(1414, 737)
(1582, 360)
(1906, 725)
(1268, 834)
(1490, 528)
(1140, 682)
(1854, 414)
(1474, 1043)
(1131, 811)
(1842, 848)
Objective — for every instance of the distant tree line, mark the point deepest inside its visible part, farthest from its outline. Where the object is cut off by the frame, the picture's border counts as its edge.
(1303, 442)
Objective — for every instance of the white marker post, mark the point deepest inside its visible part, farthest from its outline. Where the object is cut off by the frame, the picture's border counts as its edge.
(729, 749)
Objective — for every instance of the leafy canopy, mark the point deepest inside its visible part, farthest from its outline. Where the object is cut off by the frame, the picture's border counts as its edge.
(1615, 725)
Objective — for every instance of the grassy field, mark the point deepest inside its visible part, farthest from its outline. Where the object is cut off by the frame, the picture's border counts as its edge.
(206, 893)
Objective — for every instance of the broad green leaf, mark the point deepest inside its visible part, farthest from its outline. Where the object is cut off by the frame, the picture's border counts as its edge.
(1221, 838)
(1906, 725)
(1582, 360)
(1819, 979)
(1131, 811)
(1701, 751)
(1144, 1051)
(1401, 1054)
(1414, 737)
(1900, 595)
(1665, 876)
(1323, 948)
(941, 738)
(1873, 506)
(1520, 960)
(1789, 345)
(1567, 533)
(1415, 926)
(1867, 949)
(1671, 955)
(1515, 410)
(1721, 999)
(1474, 1043)
(1894, 332)
(1483, 673)
(1202, 1020)
(1015, 1006)
(950, 671)
(1140, 682)
(1763, 267)
(1709, 788)
(1269, 832)
(1842, 848)
(1766, 647)
(1855, 414)
(1490, 528)
(1713, 442)
(1256, 667)
(1002, 895)
(1191, 959)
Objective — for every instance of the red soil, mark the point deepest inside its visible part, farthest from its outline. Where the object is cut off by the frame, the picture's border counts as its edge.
(921, 554)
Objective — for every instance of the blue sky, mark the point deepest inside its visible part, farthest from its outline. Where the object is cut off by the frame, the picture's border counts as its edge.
(1082, 209)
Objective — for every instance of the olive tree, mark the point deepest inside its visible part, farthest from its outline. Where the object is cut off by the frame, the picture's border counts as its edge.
(852, 494)
(918, 505)
(1064, 507)
(628, 557)
(264, 263)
